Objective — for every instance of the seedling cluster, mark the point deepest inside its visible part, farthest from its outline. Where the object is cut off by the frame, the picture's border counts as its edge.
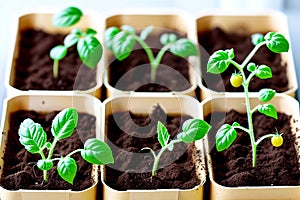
(33, 137)
(88, 47)
(219, 62)
(192, 130)
(121, 42)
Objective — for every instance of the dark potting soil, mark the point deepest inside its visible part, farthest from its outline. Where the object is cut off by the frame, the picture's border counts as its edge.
(34, 67)
(276, 166)
(133, 73)
(20, 170)
(128, 133)
(217, 39)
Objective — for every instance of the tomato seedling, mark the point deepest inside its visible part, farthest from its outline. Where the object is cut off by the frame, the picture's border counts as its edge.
(121, 42)
(88, 46)
(219, 62)
(33, 137)
(192, 130)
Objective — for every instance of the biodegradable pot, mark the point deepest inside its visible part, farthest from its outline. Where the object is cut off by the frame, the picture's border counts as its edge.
(42, 20)
(283, 103)
(142, 104)
(47, 103)
(162, 21)
(245, 24)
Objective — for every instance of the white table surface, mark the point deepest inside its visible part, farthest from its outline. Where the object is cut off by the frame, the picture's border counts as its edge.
(10, 8)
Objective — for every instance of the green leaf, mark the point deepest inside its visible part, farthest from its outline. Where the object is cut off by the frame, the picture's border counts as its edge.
(164, 39)
(184, 48)
(266, 95)
(225, 136)
(122, 46)
(32, 136)
(64, 123)
(58, 52)
(268, 110)
(90, 51)
(276, 42)
(219, 61)
(235, 124)
(263, 72)
(67, 169)
(162, 134)
(90, 32)
(128, 29)
(109, 35)
(168, 38)
(77, 31)
(67, 17)
(193, 130)
(251, 67)
(146, 32)
(70, 40)
(45, 164)
(97, 152)
(257, 38)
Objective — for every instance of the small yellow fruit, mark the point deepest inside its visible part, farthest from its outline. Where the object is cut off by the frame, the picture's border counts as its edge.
(236, 80)
(277, 140)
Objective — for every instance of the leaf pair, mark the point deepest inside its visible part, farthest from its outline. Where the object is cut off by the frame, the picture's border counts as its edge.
(121, 42)
(33, 137)
(94, 152)
(192, 130)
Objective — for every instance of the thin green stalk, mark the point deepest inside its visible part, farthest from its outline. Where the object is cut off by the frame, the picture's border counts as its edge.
(246, 82)
(157, 157)
(263, 137)
(250, 124)
(252, 53)
(45, 172)
(154, 61)
(145, 47)
(52, 149)
(242, 128)
(73, 152)
(55, 68)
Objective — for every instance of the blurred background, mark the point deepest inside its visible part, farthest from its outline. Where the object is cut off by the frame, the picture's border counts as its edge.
(11, 8)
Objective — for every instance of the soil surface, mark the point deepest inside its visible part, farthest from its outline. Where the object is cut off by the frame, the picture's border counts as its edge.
(217, 39)
(128, 133)
(276, 166)
(20, 170)
(34, 67)
(133, 73)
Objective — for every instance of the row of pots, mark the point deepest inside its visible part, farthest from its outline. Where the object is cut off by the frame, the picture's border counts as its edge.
(212, 101)
(172, 104)
(176, 20)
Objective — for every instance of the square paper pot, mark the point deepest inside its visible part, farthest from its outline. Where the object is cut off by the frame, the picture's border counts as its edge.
(42, 20)
(172, 20)
(83, 103)
(282, 103)
(247, 23)
(142, 104)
